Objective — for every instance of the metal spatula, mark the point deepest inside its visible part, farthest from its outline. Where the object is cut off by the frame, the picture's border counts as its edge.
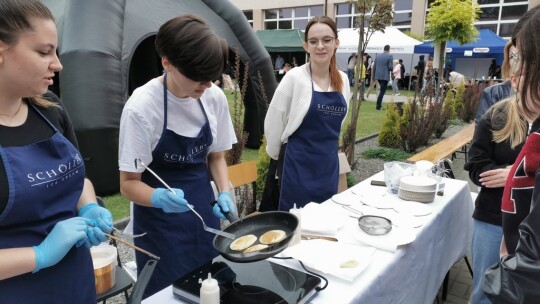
(209, 229)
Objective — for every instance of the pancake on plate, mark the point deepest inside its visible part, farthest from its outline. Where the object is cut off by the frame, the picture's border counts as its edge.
(272, 237)
(255, 248)
(243, 242)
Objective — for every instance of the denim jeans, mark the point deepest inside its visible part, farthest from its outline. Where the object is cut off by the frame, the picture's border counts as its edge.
(350, 74)
(486, 242)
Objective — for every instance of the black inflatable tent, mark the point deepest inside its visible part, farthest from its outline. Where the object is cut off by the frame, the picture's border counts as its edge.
(106, 48)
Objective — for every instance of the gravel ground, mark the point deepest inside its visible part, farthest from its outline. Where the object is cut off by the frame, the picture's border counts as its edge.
(364, 169)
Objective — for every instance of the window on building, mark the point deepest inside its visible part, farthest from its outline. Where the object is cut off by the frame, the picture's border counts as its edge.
(500, 16)
(402, 14)
(346, 16)
(489, 14)
(513, 12)
(487, 2)
(402, 5)
(288, 18)
(249, 17)
(506, 29)
(491, 27)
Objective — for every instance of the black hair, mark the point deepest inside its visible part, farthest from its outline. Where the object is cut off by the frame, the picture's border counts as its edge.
(387, 47)
(192, 47)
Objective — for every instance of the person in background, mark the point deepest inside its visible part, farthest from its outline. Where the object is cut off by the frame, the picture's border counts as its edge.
(396, 77)
(402, 74)
(373, 84)
(498, 72)
(48, 209)
(420, 71)
(286, 67)
(179, 125)
(381, 71)
(498, 138)
(492, 69)
(447, 72)
(279, 62)
(351, 66)
(429, 77)
(367, 64)
(306, 114)
(516, 277)
(500, 91)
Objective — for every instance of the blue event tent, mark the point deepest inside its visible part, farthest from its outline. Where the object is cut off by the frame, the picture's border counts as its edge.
(487, 45)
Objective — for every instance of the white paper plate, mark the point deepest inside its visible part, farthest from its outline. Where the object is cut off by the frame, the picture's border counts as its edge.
(380, 201)
(346, 198)
(413, 208)
(328, 257)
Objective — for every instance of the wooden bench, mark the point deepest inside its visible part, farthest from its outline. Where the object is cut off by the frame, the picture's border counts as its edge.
(447, 147)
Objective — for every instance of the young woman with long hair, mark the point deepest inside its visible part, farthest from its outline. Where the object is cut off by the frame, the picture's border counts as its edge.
(48, 209)
(304, 120)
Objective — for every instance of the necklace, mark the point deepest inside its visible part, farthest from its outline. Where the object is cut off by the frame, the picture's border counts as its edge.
(14, 114)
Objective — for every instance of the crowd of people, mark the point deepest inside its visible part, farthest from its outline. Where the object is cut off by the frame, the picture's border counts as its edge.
(178, 125)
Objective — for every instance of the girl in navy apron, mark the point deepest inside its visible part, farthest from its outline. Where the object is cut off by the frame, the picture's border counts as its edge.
(179, 125)
(42, 184)
(303, 123)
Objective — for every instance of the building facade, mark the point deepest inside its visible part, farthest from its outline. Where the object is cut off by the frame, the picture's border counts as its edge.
(500, 16)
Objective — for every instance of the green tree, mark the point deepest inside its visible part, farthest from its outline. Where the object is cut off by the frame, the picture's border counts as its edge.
(374, 15)
(451, 20)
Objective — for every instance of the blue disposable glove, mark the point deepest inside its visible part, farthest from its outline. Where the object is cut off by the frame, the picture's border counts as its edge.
(226, 203)
(101, 221)
(168, 201)
(62, 237)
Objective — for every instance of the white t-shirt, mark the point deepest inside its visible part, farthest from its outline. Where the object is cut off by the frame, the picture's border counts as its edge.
(141, 125)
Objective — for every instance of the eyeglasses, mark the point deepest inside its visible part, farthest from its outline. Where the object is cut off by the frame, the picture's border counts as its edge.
(326, 41)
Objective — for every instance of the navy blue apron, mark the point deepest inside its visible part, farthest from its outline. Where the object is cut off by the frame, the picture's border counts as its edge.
(177, 238)
(310, 166)
(45, 183)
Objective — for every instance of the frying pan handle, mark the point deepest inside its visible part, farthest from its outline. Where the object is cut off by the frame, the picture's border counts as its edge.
(231, 216)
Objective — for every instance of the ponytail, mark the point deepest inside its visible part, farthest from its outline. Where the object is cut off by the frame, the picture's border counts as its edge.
(335, 78)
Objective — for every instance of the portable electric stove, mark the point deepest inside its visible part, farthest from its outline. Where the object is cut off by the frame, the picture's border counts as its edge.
(257, 282)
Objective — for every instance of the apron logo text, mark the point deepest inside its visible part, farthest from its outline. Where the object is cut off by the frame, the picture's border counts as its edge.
(58, 174)
(175, 157)
(331, 110)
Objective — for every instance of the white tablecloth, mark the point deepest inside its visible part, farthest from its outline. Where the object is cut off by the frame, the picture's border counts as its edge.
(411, 274)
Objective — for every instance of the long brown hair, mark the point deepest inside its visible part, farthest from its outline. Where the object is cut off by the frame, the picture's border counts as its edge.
(528, 44)
(15, 20)
(335, 78)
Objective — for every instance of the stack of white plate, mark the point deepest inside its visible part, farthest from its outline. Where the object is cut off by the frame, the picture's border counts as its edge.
(417, 188)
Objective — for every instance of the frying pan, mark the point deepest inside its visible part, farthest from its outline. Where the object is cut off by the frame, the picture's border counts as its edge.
(256, 224)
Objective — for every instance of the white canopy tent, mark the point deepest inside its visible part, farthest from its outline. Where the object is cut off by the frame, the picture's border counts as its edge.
(400, 44)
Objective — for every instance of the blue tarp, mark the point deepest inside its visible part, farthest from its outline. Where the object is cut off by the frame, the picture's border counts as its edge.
(488, 44)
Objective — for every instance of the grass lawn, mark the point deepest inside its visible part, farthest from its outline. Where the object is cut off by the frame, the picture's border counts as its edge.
(369, 122)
